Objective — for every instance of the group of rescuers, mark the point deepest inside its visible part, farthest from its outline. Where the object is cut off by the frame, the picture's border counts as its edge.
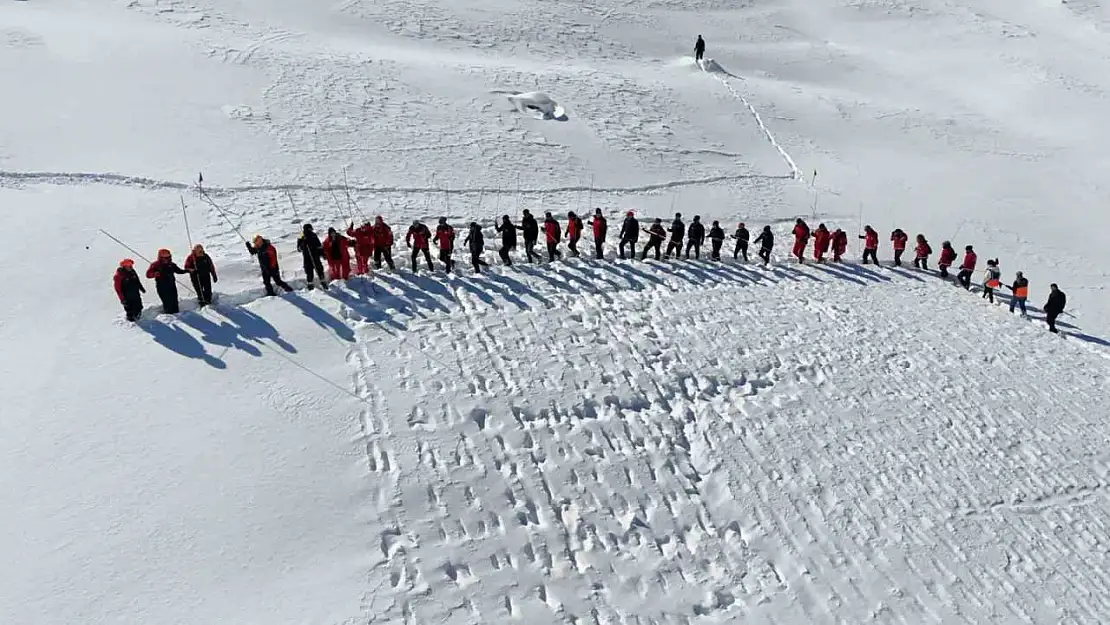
(375, 241)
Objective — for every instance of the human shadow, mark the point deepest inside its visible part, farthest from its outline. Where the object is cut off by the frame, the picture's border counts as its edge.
(367, 308)
(417, 290)
(540, 274)
(860, 271)
(252, 326)
(321, 317)
(180, 342)
(905, 273)
(636, 277)
(796, 273)
(512, 290)
(839, 275)
(223, 334)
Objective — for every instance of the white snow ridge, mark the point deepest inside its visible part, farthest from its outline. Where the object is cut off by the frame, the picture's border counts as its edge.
(579, 442)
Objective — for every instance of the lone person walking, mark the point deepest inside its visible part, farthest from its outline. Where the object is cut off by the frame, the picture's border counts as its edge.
(699, 49)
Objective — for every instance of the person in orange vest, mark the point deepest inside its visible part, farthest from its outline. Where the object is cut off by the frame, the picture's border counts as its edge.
(364, 246)
(992, 279)
(899, 239)
(801, 239)
(821, 239)
(551, 233)
(1020, 289)
(839, 244)
(967, 267)
(947, 257)
(870, 244)
(921, 253)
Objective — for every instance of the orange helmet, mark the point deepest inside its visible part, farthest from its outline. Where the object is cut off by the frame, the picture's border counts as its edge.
(127, 262)
(164, 253)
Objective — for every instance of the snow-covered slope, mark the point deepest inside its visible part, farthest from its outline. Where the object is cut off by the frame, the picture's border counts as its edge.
(590, 442)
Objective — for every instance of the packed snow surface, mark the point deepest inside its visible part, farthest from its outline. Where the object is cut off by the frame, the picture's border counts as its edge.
(585, 442)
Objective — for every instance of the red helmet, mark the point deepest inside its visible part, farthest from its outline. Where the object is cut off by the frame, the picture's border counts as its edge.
(127, 262)
(164, 253)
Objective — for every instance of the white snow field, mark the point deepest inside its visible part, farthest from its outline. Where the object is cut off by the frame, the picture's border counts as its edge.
(586, 442)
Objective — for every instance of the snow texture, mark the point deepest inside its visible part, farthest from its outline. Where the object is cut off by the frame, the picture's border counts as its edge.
(585, 442)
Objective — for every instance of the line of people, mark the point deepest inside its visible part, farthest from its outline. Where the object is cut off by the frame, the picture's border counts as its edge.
(374, 241)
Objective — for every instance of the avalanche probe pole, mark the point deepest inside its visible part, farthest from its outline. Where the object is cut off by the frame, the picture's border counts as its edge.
(185, 214)
(200, 183)
(136, 253)
(813, 187)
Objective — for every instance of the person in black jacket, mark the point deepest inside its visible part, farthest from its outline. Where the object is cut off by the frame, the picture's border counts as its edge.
(1054, 306)
(268, 263)
(508, 238)
(697, 237)
(630, 233)
(601, 229)
(766, 239)
(129, 289)
(530, 230)
(716, 239)
(476, 242)
(741, 235)
(312, 251)
(699, 48)
(678, 232)
(202, 271)
(656, 234)
(162, 271)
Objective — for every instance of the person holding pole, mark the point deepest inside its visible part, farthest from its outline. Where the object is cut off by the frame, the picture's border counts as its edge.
(268, 263)
(202, 272)
(129, 289)
(162, 271)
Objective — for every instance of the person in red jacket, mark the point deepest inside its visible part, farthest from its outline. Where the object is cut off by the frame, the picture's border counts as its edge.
(445, 238)
(338, 254)
(947, 257)
(967, 267)
(921, 253)
(551, 232)
(839, 244)
(821, 239)
(801, 240)
(418, 238)
(268, 263)
(364, 246)
(383, 243)
(870, 244)
(601, 229)
(163, 271)
(574, 232)
(202, 271)
(899, 239)
(129, 289)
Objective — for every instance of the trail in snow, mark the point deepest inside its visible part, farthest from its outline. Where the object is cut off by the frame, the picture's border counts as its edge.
(711, 67)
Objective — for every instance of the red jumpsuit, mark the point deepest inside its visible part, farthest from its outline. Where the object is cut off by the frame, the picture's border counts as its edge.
(821, 240)
(801, 239)
(364, 247)
(338, 254)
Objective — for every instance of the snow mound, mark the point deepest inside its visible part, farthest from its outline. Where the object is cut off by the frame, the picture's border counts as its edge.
(541, 104)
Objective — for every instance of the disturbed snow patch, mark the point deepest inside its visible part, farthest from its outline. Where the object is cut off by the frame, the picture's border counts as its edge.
(539, 103)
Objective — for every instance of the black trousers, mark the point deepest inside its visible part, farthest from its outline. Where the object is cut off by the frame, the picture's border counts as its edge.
(427, 256)
(476, 260)
(696, 247)
(311, 264)
(675, 245)
(717, 243)
(898, 258)
(445, 258)
(921, 262)
(630, 243)
(870, 254)
(202, 284)
(530, 249)
(133, 307)
(599, 248)
(572, 245)
(167, 292)
(698, 54)
(1050, 317)
(765, 254)
(385, 253)
(988, 293)
(741, 248)
(653, 244)
(274, 276)
(504, 254)
(944, 271)
(553, 251)
(964, 278)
